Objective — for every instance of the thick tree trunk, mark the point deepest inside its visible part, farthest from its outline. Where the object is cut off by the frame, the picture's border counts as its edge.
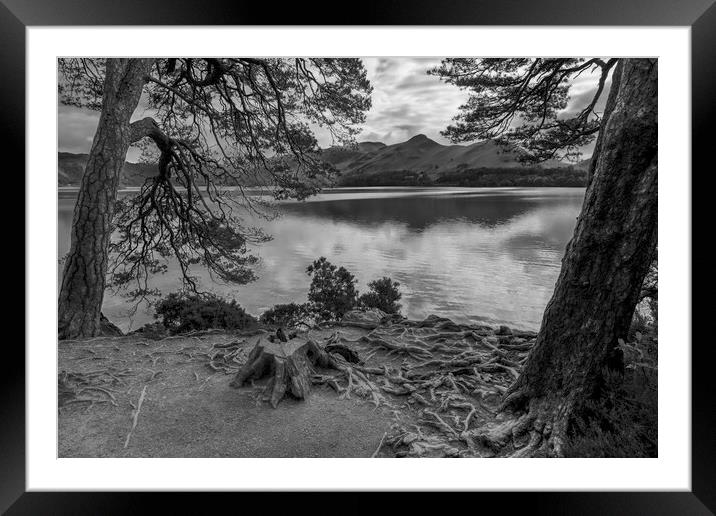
(604, 265)
(83, 281)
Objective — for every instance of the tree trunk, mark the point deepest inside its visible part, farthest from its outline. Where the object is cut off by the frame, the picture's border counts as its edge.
(604, 265)
(83, 281)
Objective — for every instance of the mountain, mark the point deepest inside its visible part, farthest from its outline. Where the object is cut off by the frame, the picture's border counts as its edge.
(342, 157)
(417, 161)
(423, 156)
(70, 168)
(584, 164)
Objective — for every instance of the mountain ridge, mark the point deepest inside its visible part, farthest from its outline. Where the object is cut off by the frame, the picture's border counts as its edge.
(371, 162)
(71, 166)
(420, 154)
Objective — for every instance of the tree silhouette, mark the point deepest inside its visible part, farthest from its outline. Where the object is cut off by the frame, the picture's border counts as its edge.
(521, 101)
(215, 123)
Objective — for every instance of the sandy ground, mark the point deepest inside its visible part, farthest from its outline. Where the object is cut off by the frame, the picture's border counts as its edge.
(189, 410)
(424, 389)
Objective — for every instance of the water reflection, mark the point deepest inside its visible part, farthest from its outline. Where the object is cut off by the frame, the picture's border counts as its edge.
(425, 208)
(470, 254)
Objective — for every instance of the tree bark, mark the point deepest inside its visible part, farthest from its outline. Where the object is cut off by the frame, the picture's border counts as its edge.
(83, 281)
(604, 265)
(288, 365)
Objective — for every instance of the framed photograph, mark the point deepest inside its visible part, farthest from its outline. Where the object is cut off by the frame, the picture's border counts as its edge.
(265, 250)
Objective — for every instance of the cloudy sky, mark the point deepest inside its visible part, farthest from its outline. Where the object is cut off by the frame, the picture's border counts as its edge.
(406, 101)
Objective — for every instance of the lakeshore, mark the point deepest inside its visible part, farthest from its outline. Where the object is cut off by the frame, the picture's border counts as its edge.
(427, 388)
(476, 255)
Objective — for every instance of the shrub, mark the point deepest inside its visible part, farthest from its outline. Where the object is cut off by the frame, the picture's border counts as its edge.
(285, 315)
(154, 331)
(182, 312)
(620, 426)
(332, 292)
(384, 295)
(622, 421)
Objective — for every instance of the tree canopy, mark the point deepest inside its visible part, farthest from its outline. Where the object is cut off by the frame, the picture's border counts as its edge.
(521, 101)
(216, 127)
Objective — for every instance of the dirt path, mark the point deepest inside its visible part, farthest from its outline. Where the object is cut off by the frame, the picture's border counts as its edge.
(432, 381)
(190, 411)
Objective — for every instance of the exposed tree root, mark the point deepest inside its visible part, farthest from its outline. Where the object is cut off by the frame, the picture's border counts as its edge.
(454, 377)
(540, 431)
(449, 385)
(444, 383)
(135, 415)
(100, 381)
(380, 445)
(411, 350)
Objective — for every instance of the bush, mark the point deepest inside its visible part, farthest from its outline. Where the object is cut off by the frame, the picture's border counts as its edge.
(154, 331)
(285, 315)
(332, 292)
(384, 295)
(623, 420)
(620, 426)
(628, 430)
(181, 313)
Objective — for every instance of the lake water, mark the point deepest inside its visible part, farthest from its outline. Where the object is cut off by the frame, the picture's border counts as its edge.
(472, 254)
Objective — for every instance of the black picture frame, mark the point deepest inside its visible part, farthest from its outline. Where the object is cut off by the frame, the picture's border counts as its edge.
(700, 15)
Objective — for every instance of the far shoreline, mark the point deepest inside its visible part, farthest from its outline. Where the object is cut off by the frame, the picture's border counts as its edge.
(75, 189)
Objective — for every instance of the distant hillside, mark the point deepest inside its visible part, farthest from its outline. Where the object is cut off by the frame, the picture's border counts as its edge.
(421, 156)
(418, 161)
(584, 164)
(343, 157)
(478, 177)
(70, 168)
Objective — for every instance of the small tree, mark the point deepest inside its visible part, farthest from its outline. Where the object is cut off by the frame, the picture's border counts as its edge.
(384, 295)
(332, 292)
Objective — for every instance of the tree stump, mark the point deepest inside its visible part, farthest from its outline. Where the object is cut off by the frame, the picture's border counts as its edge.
(288, 365)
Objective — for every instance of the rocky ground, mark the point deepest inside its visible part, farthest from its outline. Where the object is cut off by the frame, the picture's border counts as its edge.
(421, 388)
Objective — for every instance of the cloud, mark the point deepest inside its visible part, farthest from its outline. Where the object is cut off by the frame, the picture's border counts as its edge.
(76, 128)
(406, 101)
(582, 93)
